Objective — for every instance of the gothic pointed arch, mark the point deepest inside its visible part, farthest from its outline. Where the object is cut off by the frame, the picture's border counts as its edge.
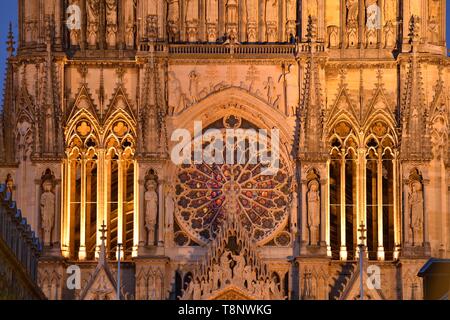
(235, 99)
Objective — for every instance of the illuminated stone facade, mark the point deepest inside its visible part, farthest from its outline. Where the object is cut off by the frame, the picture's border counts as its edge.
(358, 90)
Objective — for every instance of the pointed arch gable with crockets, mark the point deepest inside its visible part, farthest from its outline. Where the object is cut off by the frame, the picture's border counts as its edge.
(83, 101)
(120, 102)
(337, 113)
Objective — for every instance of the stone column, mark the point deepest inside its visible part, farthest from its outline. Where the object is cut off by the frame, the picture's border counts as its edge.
(323, 211)
(304, 229)
(397, 218)
(101, 198)
(380, 250)
(327, 211)
(56, 233)
(343, 247)
(161, 202)
(82, 249)
(137, 210)
(120, 202)
(406, 227)
(142, 231)
(35, 221)
(426, 195)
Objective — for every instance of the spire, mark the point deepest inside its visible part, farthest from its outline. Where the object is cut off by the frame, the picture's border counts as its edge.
(413, 111)
(311, 106)
(10, 43)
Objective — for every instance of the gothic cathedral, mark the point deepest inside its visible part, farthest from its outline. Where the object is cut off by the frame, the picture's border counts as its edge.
(358, 91)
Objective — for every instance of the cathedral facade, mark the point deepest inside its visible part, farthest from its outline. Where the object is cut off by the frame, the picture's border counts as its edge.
(357, 90)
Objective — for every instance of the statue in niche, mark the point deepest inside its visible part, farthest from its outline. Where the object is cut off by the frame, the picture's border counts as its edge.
(232, 13)
(173, 19)
(191, 10)
(434, 8)
(169, 206)
(373, 15)
(415, 201)
(111, 22)
(93, 11)
(111, 11)
(47, 211)
(151, 210)
(433, 20)
(271, 11)
(212, 11)
(352, 12)
(312, 9)
(314, 211)
(294, 211)
(390, 10)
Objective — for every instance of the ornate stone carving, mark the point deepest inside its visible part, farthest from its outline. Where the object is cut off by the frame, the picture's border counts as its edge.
(415, 211)
(314, 211)
(151, 210)
(232, 17)
(93, 12)
(47, 203)
(294, 211)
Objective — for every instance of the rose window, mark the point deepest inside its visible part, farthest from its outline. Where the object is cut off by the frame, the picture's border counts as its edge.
(206, 193)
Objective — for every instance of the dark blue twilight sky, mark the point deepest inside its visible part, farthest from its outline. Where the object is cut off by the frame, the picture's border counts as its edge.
(9, 12)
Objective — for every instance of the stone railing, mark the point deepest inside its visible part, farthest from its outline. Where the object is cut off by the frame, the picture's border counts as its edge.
(202, 49)
(19, 252)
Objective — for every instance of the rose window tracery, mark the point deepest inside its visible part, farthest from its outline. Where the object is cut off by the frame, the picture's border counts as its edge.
(206, 193)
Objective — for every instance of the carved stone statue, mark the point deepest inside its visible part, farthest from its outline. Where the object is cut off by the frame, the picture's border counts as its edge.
(314, 211)
(111, 22)
(111, 11)
(197, 290)
(232, 13)
(294, 211)
(269, 86)
(93, 11)
(151, 210)
(169, 206)
(47, 211)
(390, 10)
(225, 265)
(238, 270)
(416, 213)
(191, 10)
(434, 8)
(352, 11)
(433, 20)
